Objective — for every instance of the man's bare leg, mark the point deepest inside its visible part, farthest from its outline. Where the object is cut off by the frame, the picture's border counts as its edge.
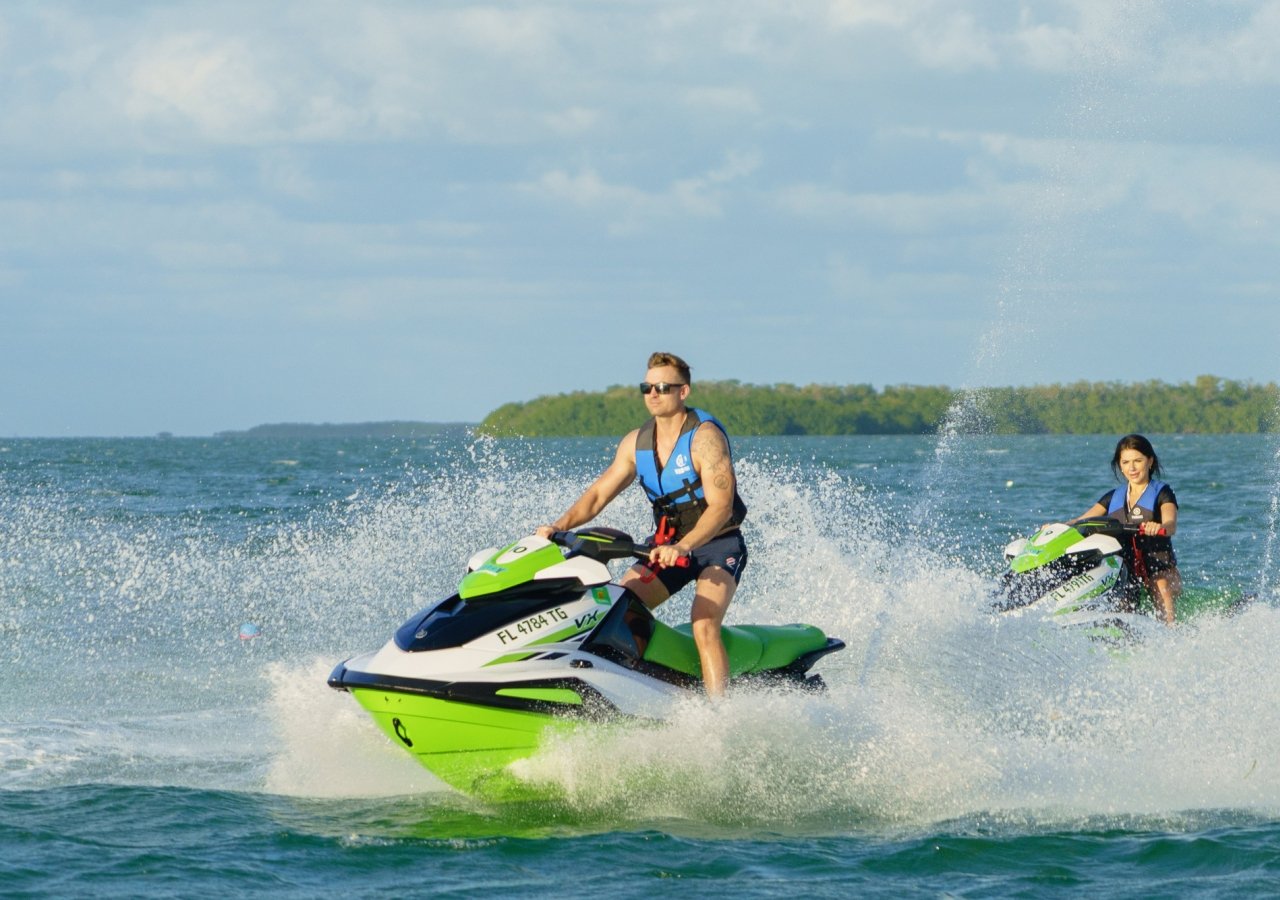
(715, 588)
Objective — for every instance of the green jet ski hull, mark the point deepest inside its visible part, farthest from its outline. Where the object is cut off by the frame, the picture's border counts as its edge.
(540, 642)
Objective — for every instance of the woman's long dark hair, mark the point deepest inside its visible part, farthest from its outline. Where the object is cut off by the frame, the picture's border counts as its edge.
(1143, 446)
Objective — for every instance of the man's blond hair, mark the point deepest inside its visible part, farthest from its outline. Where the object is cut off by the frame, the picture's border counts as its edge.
(659, 359)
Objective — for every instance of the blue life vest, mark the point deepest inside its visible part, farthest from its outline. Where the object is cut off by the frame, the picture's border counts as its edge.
(1119, 508)
(675, 490)
(1145, 552)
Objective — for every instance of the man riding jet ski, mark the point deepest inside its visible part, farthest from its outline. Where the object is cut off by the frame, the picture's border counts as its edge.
(539, 639)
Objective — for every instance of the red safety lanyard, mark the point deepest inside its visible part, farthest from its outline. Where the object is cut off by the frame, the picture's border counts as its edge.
(1139, 563)
(664, 534)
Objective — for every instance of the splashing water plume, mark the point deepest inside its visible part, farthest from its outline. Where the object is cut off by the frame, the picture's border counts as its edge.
(959, 712)
(1266, 577)
(1117, 43)
(937, 709)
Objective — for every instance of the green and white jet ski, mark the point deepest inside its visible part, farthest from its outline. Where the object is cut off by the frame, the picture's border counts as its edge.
(539, 639)
(1076, 575)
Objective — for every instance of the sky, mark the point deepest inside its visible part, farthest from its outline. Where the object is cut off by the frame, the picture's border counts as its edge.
(218, 215)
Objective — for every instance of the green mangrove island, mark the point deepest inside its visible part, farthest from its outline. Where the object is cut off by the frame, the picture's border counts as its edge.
(1208, 405)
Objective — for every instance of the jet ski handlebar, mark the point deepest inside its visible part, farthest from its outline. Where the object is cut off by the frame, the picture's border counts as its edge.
(606, 544)
(1113, 527)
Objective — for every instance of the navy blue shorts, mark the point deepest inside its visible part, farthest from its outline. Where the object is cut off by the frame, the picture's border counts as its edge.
(728, 551)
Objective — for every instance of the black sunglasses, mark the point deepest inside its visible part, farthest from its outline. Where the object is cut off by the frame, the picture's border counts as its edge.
(662, 387)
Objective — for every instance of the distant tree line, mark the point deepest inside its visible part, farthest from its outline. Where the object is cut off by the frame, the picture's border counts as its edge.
(306, 430)
(1209, 405)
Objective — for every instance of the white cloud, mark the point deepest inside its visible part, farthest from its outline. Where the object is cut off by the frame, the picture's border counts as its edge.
(529, 32)
(956, 42)
(904, 212)
(1010, 180)
(285, 172)
(722, 99)
(862, 13)
(737, 165)
(1079, 38)
(624, 207)
(939, 34)
(1210, 190)
(1215, 195)
(188, 255)
(574, 121)
(244, 74)
(896, 294)
(142, 179)
(1049, 47)
(628, 209)
(212, 82)
(1082, 38)
(174, 74)
(383, 164)
(1245, 54)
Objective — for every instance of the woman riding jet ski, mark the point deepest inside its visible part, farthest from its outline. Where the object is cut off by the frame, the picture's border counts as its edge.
(538, 639)
(1076, 574)
(1083, 571)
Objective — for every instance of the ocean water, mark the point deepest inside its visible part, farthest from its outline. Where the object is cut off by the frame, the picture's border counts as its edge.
(148, 749)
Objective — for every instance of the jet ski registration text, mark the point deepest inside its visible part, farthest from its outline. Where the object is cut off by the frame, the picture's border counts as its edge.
(533, 624)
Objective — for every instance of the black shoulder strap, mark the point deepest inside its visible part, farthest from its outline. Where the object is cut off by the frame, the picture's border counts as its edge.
(645, 437)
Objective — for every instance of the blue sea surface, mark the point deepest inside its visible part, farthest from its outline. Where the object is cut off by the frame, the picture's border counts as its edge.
(171, 608)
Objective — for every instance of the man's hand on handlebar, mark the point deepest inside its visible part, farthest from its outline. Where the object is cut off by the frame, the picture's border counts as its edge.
(668, 555)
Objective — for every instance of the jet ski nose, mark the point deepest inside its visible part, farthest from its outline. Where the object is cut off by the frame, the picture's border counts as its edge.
(337, 678)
